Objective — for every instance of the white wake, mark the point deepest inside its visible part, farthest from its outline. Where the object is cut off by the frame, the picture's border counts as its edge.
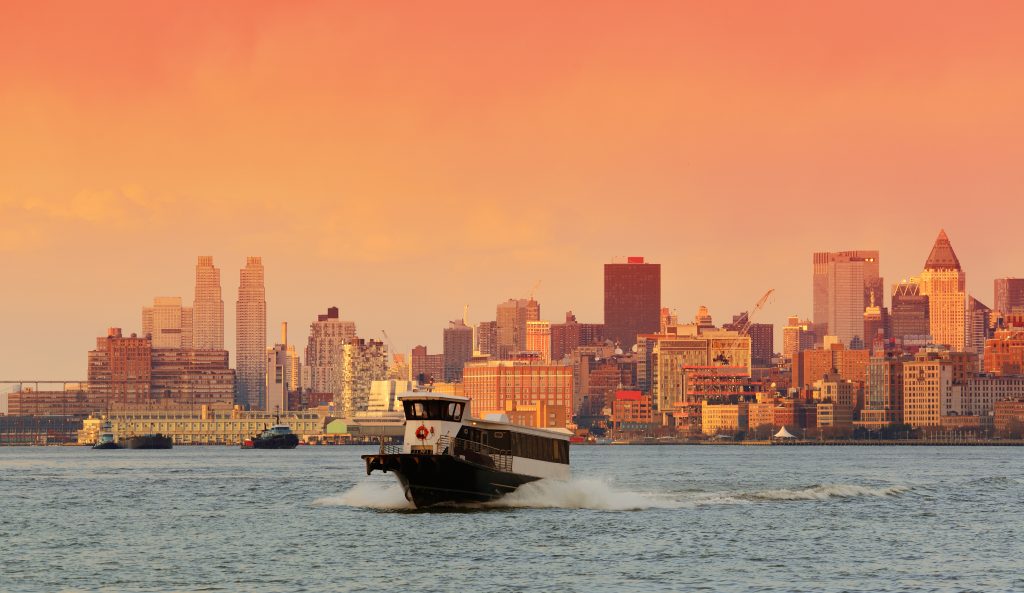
(369, 495)
(599, 495)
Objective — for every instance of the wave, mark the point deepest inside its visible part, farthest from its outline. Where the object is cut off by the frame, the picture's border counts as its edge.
(825, 492)
(583, 493)
(369, 495)
(599, 495)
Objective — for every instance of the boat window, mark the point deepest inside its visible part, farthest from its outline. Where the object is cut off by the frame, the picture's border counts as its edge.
(433, 410)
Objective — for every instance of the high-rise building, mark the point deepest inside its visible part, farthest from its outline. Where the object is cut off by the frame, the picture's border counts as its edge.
(487, 338)
(278, 379)
(192, 377)
(812, 365)
(909, 319)
(512, 317)
(932, 383)
(797, 336)
(762, 338)
(876, 326)
(979, 318)
(362, 362)
(1009, 295)
(884, 388)
(120, 369)
(632, 300)
(567, 337)
(458, 349)
(426, 368)
(208, 307)
(944, 282)
(323, 350)
(671, 355)
(538, 339)
(251, 336)
(167, 323)
(843, 283)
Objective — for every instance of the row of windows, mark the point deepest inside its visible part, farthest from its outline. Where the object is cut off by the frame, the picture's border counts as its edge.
(540, 448)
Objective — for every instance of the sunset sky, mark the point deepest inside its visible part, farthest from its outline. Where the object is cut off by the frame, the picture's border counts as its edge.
(399, 160)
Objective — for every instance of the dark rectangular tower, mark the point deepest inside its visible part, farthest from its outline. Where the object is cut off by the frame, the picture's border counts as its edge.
(632, 300)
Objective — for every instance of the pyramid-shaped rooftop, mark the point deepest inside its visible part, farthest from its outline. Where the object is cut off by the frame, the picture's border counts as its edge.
(942, 256)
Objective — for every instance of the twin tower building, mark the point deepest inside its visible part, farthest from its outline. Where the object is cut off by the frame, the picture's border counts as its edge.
(201, 326)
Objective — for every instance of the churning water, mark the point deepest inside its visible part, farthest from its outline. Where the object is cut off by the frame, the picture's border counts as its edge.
(664, 518)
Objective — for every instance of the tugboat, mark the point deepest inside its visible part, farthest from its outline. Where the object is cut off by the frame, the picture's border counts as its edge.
(149, 441)
(449, 457)
(107, 440)
(279, 436)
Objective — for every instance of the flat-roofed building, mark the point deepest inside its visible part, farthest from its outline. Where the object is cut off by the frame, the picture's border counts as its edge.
(632, 411)
(493, 383)
(632, 300)
(723, 418)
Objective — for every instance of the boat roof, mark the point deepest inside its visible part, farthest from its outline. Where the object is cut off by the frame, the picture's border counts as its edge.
(429, 395)
(550, 433)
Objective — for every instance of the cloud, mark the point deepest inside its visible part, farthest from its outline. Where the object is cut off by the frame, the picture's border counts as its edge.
(34, 222)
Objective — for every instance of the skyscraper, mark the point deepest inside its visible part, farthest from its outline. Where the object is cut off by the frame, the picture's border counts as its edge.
(251, 337)
(632, 300)
(978, 326)
(487, 338)
(458, 349)
(1009, 295)
(512, 316)
(909, 317)
(945, 284)
(361, 363)
(538, 339)
(323, 350)
(208, 307)
(168, 323)
(797, 336)
(843, 283)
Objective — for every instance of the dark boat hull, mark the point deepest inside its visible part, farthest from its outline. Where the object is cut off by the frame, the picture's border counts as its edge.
(430, 480)
(284, 441)
(107, 446)
(149, 441)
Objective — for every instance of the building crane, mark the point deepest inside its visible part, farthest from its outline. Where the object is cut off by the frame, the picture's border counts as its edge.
(465, 315)
(399, 358)
(743, 329)
(534, 289)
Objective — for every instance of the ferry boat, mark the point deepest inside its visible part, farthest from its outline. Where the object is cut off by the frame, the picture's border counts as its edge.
(279, 436)
(449, 457)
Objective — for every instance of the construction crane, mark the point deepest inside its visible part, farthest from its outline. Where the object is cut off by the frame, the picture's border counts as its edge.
(534, 289)
(743, 329)
(399, 358)
(465, 315)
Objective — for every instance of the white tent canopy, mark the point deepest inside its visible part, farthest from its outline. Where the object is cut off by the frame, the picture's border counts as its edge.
(784, 434)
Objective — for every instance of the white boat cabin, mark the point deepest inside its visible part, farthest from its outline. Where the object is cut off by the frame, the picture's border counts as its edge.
(440, 424)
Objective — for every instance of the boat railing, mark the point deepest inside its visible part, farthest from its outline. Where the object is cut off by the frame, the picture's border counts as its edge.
(390, 448)
(479, 453)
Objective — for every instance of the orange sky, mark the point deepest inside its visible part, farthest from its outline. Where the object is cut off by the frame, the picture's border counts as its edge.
(400, 161)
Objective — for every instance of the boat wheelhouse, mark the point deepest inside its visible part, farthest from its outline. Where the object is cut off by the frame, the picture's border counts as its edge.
(450, 457)
(279, 436)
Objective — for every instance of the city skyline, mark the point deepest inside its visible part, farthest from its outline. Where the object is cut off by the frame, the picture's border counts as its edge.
(435, 343)
(725, 144)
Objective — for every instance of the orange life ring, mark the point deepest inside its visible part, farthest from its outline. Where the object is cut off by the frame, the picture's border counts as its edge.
(422, 433)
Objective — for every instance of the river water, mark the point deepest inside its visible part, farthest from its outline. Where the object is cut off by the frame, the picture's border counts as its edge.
(668, 518)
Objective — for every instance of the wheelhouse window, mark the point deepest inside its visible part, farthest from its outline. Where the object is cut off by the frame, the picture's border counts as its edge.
(433, 410)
